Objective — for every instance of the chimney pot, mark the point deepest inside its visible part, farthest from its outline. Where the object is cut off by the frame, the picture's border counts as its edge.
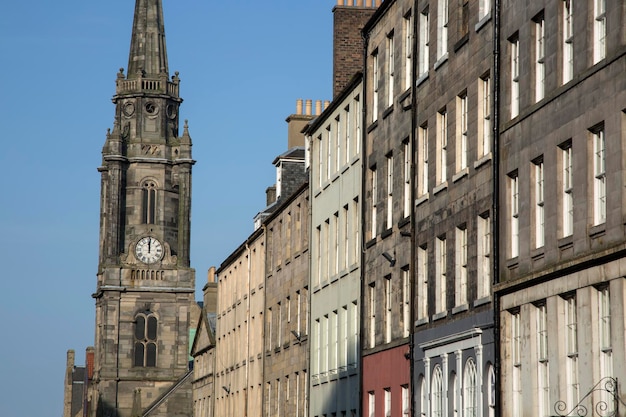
(326, 104)
(308, 107)
(299, 106)
(318, 107)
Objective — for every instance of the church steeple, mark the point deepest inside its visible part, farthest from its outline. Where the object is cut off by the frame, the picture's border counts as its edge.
(148, 53)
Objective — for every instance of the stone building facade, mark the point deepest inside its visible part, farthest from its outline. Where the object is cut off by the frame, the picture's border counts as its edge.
(203, 351)
(145, 285)
(387, 196)
(562, 203)
(335, 256)
(239, 330)
(285, 369)
(454, 347)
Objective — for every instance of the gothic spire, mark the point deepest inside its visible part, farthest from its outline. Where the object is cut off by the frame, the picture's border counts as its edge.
(148, 54)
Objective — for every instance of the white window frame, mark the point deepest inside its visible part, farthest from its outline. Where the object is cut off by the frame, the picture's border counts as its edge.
(374, 186)
(483, 254)
(462, 131)
(375, 85)
(514, 212)
(390, 178)
(567, 189)
(442, 28)
(471, 387)
(543, 373)
(406, 302)
(599, 30)
(460, 293)
(388, 308)
(424, 41)
(437, 393)
(599, 180)
(391, 68)
(484, 8)
(442, 131)
(372, 315)
(515, 93)
(571, 330)
(540, 56)
(423, 160)
(568, 40)
(406, 206)
(516, 362)
(408, 48)
(441, 268)
(540, 231)
(485, 115)
(387, 402)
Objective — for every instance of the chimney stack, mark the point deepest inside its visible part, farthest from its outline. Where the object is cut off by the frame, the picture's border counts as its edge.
(350, 16)
(296, 122)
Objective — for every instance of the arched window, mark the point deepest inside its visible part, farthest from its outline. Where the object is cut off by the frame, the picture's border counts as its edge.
(470, 384)
(423, 396)
(437, 392)
(148, 204)
(145, 339)
(453, 400)
(491, 392)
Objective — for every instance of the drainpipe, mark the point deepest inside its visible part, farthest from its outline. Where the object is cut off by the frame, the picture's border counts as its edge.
(365, 37)
(413, 229)
(496, 197)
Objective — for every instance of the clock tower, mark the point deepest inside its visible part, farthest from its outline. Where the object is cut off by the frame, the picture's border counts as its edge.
(145, 286)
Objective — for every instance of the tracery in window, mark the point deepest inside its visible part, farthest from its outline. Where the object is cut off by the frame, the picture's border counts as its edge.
(148, 202)
(146, 326)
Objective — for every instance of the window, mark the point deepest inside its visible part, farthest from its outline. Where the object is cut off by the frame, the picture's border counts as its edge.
(470, 384)
(568, 41)
(372, 318)
(514, 92)
(540, 68)
(406, 401)
(484, 91)
(423, 44)
(539, 204)
(599, 181)
(320, 160)
(371, 403)
(484, 253)
(146, 325)
(318, 246)
(388, 317)
(543, 376)
(514, 211)
(460, 293)
(269, 330)
(346, 237)
(484, 8)
(390, 68)
(604, 315)
(408, 48)
(406, 206)
(571, 330)
(375, 85)
(440, 284)
(374, 198)
(423, 160)
(599, 30)
(279, 327)
(356, 218)
(333, 341)
(343, 362)
(387, 402)
(336, 243)
(148, 193)
(338, 144)
(348, 146)
(442, 28)
(406, 303)
(567, 183)
(462, 140)
(437, 401)
(491, 391)
(516, 358)
(357, 126)
(330, 147)
(423, 396)
(389, 191)
(442, 130)
(422, 282)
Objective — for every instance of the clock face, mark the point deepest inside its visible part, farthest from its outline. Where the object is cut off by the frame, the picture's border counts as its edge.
(148, 250)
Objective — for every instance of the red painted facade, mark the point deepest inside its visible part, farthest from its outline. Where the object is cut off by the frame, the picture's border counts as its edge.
(387, 370)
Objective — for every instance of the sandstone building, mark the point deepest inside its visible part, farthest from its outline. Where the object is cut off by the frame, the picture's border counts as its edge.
(562, 136)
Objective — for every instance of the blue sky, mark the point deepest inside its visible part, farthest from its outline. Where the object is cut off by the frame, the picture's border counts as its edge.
(242, 64)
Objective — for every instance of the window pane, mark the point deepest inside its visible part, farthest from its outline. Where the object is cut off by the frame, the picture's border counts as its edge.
(138, 354)
(140, 327)
(152, 328)
(151, 355)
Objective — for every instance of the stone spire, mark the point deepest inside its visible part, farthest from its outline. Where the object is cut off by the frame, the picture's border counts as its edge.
(148, 54)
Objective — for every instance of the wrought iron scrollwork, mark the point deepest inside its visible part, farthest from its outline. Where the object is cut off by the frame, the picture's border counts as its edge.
(606, 406)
